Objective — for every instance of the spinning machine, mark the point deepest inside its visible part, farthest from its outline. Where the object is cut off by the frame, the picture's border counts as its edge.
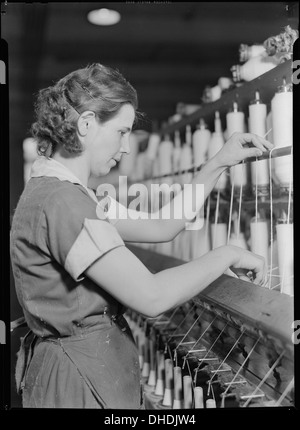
(232, 345)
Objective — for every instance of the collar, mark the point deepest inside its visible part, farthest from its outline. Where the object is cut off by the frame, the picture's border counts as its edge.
(49, 167)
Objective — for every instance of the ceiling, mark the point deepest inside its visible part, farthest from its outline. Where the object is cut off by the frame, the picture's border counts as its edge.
(168, 51)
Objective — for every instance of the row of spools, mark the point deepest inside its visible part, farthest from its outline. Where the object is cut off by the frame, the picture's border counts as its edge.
(178, 371)
(168, 383)
(164, 157)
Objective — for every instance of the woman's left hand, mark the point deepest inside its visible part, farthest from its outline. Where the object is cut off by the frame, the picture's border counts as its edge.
(241, 146)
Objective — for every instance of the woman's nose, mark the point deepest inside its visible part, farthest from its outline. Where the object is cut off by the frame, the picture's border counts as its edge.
(125, 146)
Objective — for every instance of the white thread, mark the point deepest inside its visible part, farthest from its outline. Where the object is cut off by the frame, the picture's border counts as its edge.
(188, 331)
(263, 380)
(271, 213)
(215, 341)
(200, 337)
(241, 367)
(230, 210)
(207, 218)
(182, 321)
(256, 192)
(240, 204)
(216, 218)
(290, 195)
(285, 393)
(236, 342)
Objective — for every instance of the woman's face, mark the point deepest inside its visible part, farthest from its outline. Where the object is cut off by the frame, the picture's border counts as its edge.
(108, 141)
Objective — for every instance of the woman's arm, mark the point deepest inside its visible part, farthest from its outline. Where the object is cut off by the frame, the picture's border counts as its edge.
(125, 277)
(189, 201)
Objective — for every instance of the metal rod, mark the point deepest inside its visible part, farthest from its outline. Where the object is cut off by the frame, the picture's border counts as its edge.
(276, 152)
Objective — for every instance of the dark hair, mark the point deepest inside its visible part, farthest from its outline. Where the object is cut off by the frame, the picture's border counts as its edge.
(98, 88)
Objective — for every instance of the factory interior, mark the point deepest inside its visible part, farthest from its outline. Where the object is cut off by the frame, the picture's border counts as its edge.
(202, 72)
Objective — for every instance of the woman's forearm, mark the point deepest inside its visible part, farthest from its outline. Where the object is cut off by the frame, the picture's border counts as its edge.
(179, 284)
(185, 206)
(165, 224)
(152, 294)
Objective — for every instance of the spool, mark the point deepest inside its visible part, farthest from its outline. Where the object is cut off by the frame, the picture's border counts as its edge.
(282, 123)
(166, 247)
(146, 364)
(218, 234)
(165, 153)
(200, 141)
(29, 155)
(225, 83)
(151, 154)
(235, 121)
(152, 373)
(210, 403)
(160, 382)
(258, 124)
(165, 156)
(246, 52)
(139, 335)
(186, 159)
(274, 269)
(30, 149)
(138, 173)
(152, 147)
(285, 237)
(176, 243)
(187, 392)
(260, 238)
(213, 93)
(169, 383)
(176, 152)
(237, 237)
(239, 240)
(254, 67)
(198, 396)
(177, 403)
(216, 143)
(201, 242)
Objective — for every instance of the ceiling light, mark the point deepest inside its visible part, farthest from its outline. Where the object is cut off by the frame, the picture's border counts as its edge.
(104, 17)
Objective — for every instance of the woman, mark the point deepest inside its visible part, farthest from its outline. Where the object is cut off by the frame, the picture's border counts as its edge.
(73, 274)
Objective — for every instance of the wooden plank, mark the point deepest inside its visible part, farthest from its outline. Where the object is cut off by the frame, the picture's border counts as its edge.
(264, 309)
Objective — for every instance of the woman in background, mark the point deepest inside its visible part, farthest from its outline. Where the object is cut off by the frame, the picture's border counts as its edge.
(73, 275)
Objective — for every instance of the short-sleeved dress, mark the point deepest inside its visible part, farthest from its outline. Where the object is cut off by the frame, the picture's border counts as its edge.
(79, 352)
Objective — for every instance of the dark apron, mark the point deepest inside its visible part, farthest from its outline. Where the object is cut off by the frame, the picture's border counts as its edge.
(99, 369)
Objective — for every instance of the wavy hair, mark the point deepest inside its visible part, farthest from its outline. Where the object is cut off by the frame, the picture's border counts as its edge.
(98, 88)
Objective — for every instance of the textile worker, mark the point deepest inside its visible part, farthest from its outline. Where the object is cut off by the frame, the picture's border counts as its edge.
(73, 274)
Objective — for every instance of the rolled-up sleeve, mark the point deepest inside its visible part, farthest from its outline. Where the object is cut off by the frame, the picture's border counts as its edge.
(74, 234)
(95, 239)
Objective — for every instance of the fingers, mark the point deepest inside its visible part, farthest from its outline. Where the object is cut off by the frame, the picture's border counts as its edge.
(241, 273)
(258, 141)
(252, 152)
(250, 266)
(260, 272)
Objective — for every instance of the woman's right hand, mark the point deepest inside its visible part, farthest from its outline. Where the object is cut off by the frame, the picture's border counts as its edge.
(248, 261)
(241, 146)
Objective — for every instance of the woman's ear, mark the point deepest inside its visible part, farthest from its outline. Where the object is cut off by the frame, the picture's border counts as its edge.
(84, 122)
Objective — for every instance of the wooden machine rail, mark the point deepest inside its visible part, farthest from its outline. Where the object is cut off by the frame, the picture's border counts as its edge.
(228, 310)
